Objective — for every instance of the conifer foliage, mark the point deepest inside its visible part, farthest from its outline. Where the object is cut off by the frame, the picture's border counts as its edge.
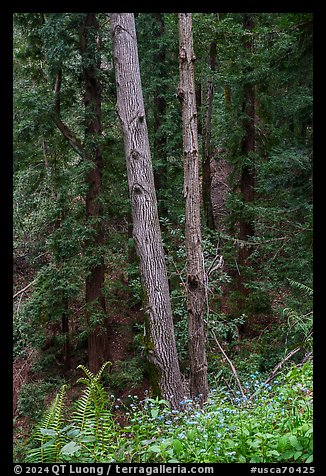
(162, 213)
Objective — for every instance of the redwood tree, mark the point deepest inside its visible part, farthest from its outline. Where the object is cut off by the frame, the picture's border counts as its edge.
(160, 337)
(247, 180)
(95, 300)
(90, 152)
(196, 276)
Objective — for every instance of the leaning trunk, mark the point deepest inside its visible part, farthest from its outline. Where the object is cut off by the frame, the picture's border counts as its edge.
(160, 337)
(196, 276)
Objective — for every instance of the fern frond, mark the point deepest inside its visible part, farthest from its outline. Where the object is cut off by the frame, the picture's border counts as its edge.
(306, 289)
(48, 433)
(100, 372)
(94, 377)
(88, 373)
(90, 425)
(82, 410)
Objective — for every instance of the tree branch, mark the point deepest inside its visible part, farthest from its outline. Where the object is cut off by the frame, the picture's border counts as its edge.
(230, 363)
(63, 128)
(275, 371)
(24, 289)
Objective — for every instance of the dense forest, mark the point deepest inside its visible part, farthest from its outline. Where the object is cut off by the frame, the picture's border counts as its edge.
(162, 216)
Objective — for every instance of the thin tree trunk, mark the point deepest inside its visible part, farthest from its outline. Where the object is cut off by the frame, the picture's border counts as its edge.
(65, 333)
(146, 230)
(95, 301)
(207, 145)
(196, 276)
(160, 175)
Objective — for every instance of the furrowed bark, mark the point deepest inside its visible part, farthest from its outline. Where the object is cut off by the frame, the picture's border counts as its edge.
(146, 229)
(196, 276)
(95, 300)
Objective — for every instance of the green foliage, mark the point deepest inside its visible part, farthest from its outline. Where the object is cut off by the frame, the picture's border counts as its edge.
(126, 374)
(52, 234)
(31, 399)
(258, 302)
(89, 431)
(49, 433)
(276, 426)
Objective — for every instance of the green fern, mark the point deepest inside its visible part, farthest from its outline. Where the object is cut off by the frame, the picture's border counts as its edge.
(89, 434)
(92, 416)
(306, 289)
(301, 323)
(48, 433)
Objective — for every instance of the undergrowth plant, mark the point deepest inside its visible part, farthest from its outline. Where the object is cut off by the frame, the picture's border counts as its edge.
(88, 433)
(275, 425)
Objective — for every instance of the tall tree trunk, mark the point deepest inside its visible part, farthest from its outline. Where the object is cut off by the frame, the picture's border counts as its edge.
(196, 276)
(95, 301)
(160, 175)
(146, 230)
(207, 145)
(247, 181)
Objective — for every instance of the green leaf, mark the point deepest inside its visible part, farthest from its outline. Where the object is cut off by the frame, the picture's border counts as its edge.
(73, 433)
(273, 453)
(48, 443)
(308, 432)
(146, 442)
(163, 402)
(154, 449)
(48, 432)
(310, 459)
(255, 444)
(66, 428)
(288, 454)
(294, 442)
(255, 459)
(177, 446)
(154, 412)
(70, 449)
(191, 435)
(87, 439)
(297, 454)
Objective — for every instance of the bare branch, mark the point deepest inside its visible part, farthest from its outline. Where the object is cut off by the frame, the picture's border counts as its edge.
(19, 303)
(229, 362)
(24, 289)
(219, 265)
(275, 371)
